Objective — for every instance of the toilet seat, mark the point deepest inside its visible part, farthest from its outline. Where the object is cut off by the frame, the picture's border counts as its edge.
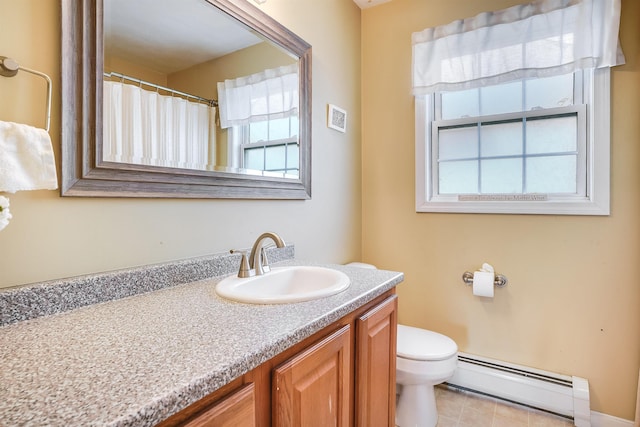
(422, 345)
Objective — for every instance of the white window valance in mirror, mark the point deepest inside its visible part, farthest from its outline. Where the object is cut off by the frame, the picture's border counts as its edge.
(519, 42)
(270, 94)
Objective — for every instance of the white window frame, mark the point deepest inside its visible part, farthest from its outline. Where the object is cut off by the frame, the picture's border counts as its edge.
(239, 137)
(276, 142)
(596, 201)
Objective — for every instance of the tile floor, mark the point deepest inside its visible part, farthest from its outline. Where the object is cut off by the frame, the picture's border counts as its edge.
(458, 408)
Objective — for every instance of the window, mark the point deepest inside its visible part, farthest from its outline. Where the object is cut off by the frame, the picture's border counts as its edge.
(270, 146)
(262, 111)
(512, 109)
(529, 146)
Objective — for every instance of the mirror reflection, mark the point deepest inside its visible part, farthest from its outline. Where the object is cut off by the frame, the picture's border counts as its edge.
(187, 87)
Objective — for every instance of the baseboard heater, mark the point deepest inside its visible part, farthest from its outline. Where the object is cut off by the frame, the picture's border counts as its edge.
(567, 396)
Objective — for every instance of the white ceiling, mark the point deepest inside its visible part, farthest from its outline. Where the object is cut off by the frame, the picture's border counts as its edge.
(169, 35)
(369, 3)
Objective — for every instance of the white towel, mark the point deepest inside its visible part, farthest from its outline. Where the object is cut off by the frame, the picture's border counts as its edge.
(26, 158)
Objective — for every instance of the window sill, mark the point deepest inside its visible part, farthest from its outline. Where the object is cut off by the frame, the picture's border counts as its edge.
(578, 206)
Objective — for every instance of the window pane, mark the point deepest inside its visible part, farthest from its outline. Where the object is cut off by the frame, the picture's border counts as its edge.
(552, 135)
(549, 92)
(459, 104)
(295, 126)
(275, 158)
(278, 129)
(458, 177)
(503, 139)
(504, 98)
(258, 132)
(458, 143)
(254, 158)
(500, 176)
(556, 174)
(293, 156)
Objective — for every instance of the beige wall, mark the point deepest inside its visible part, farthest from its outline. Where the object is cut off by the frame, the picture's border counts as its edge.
(202, 79)
(52, 237)
(573, 301)
(122, 66)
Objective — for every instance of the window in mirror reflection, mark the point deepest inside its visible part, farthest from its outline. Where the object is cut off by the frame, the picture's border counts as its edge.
(270, 146)
(261, 110)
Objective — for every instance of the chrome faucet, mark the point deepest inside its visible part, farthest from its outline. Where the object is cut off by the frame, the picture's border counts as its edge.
(257, 264)
(258, 259)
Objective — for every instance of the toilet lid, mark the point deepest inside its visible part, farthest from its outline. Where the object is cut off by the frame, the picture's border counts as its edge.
(420, 344)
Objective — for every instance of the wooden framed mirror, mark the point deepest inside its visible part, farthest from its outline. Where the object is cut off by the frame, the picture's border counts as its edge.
(87, 168)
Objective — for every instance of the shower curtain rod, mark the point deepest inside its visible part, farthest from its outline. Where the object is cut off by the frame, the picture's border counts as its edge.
(211, 102)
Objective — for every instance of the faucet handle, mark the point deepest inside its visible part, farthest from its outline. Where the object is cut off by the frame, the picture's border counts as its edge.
(244, 270)
(265, 261)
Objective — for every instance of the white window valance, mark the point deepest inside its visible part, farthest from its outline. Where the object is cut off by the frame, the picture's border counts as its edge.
(270, 94)
(538, 39)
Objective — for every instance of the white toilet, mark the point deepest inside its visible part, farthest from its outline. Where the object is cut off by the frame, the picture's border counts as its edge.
(425, 359)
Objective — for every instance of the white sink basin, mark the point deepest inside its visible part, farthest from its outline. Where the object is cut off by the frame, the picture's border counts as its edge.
(284, 285)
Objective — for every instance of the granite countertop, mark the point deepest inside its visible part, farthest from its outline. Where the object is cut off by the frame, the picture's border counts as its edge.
(135, 361)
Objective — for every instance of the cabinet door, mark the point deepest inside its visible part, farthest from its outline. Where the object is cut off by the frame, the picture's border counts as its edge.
(237, 409)
(313, 388)
(376, 365)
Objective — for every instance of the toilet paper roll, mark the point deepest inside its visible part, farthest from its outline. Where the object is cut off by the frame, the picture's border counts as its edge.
(483, 283)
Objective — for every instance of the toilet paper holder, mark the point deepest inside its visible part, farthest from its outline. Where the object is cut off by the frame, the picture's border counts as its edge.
(499, 281)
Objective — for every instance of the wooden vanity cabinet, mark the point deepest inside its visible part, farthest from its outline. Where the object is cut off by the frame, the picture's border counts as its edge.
(314, 387)
(343, 375)
(237, 409)
(375, 399)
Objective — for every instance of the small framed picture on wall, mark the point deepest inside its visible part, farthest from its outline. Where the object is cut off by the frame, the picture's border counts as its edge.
(337, 118)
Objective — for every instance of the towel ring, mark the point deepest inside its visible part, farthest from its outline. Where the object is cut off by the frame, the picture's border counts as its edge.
(9, 68)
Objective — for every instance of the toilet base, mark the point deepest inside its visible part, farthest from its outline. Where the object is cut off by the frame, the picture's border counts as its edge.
(417, 406)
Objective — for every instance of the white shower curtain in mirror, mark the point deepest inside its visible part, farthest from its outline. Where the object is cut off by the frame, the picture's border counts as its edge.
(146, 128)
